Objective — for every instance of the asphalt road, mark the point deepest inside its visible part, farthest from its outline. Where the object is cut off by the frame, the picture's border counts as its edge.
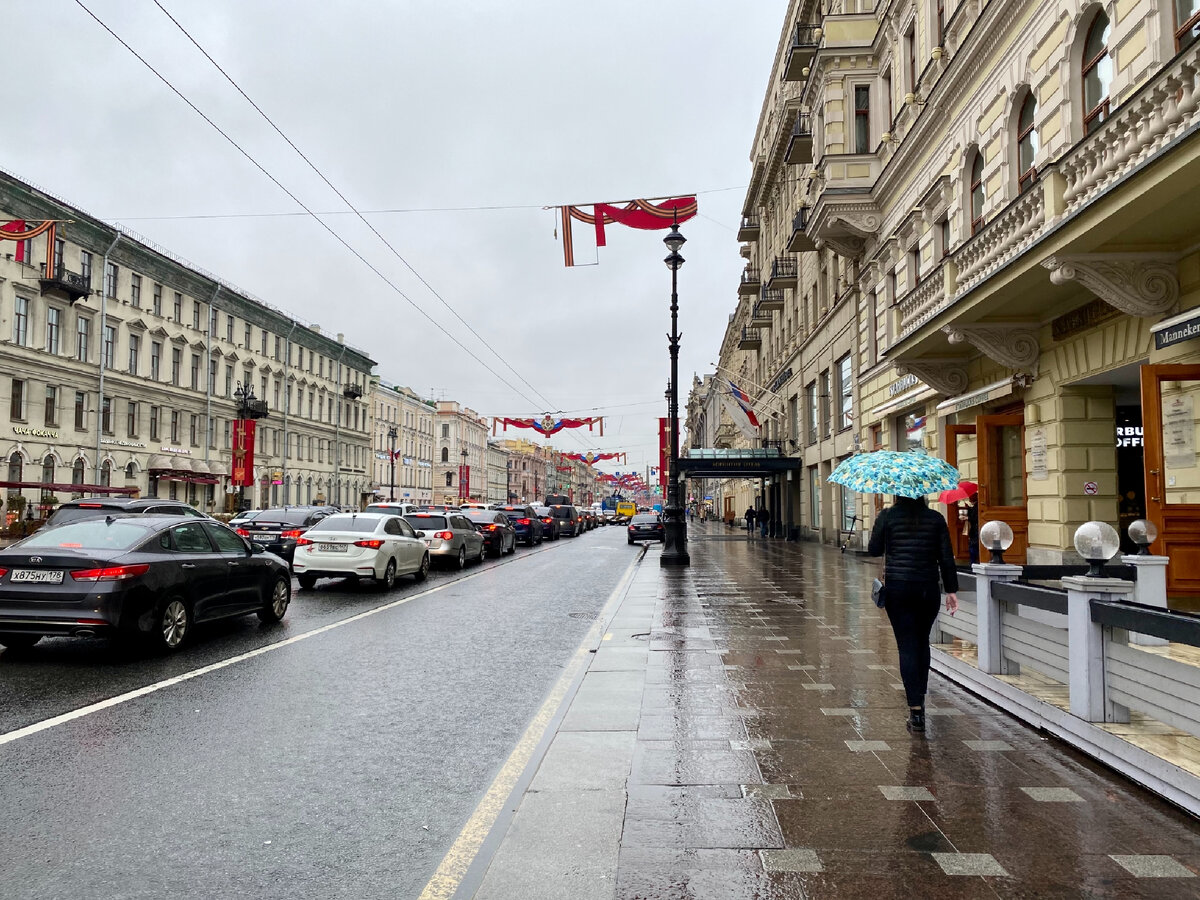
(342, 764)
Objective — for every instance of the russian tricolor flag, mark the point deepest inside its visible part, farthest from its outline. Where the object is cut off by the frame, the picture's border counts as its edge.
(743, 400)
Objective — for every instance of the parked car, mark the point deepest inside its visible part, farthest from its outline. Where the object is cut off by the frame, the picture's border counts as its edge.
(391, 507)
(152, 576)
(610, 517)
(589, 518)
(378, 546)
(646, 527)
(499, 536)
(276, 530)
(450, 536)
(568, 519)
(243, 517)
(551, 529)
(527, 522)
(99, 507)
(477, 505)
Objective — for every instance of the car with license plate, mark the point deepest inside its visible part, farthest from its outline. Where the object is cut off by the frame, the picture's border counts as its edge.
(526, 522)
(375, 546)
(551, 530)
(146, 576)
(99, 507)
(392, 507)
(499, 536)
(276, 530)
(569, 522)
(646, 527)
(450, 536)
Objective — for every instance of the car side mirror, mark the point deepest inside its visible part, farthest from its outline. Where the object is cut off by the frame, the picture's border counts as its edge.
(256, 549)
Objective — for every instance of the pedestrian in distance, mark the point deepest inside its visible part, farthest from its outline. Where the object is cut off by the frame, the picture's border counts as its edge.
(914, 542)
(750, 520)
(968, 513)
(764, 520)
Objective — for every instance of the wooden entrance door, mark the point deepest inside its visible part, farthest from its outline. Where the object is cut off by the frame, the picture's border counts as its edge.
(1170, 407)
(960, 453)
(1002, 497)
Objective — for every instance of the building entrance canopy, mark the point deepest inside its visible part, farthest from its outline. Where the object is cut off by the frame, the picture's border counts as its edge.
(706, 462)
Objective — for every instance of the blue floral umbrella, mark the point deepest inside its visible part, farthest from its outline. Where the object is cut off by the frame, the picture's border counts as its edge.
(889, 472)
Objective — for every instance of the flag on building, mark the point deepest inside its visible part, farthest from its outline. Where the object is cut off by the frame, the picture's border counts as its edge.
(737, 415)
(743, 400)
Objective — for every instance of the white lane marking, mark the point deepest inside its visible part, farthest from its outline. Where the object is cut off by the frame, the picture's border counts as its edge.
(74, 714)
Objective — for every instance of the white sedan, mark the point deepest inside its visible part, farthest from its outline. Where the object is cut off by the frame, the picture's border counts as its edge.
(360, 545)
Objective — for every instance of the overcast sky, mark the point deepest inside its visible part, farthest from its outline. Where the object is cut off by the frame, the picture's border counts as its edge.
(423, 106)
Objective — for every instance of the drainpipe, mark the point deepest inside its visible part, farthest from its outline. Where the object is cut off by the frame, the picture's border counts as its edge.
(209, 431)
(287, 397)
(103, 321)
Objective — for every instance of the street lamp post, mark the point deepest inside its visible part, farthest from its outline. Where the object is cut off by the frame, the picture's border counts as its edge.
(392, 437)
(674, 524)
(462, 472)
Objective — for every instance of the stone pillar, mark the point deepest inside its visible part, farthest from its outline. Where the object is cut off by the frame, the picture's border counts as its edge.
(987, 609)
(1085, 647)
(1150, 589)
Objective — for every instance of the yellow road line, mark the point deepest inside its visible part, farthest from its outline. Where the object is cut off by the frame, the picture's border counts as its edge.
(462, 853)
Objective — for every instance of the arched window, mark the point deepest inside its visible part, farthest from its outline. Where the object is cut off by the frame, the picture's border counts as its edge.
(48, 469)
(131, 470)
(1027, 144)
(1097, 73)
(1187, 22)
(77, 472)
(978, 192)
(15, 465)
(106, 473)
(446, 455)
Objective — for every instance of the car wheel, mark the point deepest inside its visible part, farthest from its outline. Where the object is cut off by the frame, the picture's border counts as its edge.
(482, 553)
(174, 624)
(461, 562)
(422, 573)
(513, 549)
(308, 582)
(389, 576)
(276, 602)
(16, 640)
(631, 542)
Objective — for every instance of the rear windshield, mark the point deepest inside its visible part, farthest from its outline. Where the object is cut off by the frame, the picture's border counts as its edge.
(67, 514)
(561, 512)
(364, 525)
(93, 534)
(644, 517)
(542, 510)
(385, 510)
(480, 515)
(426, 523)
(290, 516)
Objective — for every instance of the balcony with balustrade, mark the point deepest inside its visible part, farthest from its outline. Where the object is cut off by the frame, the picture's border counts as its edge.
(761, 318)
(62, 284)
(772, 299)
(805, 41)
(751, 339)
(750, 284)
(784, 273)
(749, 229)
(800, 240)
(800, 142)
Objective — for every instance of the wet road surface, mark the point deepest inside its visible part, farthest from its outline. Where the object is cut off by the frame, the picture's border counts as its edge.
(339, 765)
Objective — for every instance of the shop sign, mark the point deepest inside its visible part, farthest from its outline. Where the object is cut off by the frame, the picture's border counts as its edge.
(424, 464)
(408, 460)
(184, 451)
(1039, 471)
(781, 379)
(1081, 319)
(1179, 433)
(119, 442)
(1129, 435)
(902, 384)
(1178, 333)
(35, 432)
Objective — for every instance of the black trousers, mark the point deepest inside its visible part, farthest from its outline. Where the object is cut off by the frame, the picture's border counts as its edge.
(912, 607)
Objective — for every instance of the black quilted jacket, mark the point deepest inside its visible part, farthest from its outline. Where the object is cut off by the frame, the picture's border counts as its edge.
(915, 544)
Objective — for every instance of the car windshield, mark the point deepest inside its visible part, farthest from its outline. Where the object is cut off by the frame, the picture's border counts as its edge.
(645, 517)
(93, 534)
(426, 523)
(361, 525)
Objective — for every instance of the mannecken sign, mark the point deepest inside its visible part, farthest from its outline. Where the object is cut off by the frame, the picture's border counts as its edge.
(1177, 332)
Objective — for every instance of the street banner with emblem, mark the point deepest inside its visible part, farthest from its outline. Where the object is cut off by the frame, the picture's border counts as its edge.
(242, 473)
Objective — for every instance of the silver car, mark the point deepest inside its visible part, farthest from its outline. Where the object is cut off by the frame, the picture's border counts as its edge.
(450, 536)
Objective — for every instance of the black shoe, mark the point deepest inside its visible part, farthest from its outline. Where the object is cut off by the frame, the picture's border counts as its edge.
(916, 720)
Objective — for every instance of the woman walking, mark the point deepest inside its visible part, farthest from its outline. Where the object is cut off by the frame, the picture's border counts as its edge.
(915, 543)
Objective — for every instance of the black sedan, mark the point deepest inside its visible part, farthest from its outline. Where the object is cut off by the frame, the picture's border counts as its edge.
(550, 526)
(135, 576)
(276, 530)
(646, 527)
(499, 536)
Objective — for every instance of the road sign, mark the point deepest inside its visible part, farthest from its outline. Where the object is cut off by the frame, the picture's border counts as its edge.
(1091, 487)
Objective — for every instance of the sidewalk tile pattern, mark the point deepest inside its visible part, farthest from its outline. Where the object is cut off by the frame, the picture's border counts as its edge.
(743, 785)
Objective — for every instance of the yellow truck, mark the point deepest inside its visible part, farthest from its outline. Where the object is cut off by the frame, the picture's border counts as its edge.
(626, 510)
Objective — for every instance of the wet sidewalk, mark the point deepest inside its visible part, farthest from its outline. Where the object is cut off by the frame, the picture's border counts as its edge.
(740, 734)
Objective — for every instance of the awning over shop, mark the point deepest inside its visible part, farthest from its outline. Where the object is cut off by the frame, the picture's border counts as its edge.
(1001, 388)
(916, 395)
(733, 462)
(169, 467)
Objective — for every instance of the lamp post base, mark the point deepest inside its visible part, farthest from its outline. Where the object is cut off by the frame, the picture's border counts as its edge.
(674, 540)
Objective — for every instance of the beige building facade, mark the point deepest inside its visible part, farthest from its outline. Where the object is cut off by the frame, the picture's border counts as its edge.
(991, 212)
(409, 477)
(460, 454)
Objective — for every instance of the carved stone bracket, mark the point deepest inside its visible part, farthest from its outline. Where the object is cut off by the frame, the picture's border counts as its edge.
(1012, 345)
(946, 375)
(1138, 284)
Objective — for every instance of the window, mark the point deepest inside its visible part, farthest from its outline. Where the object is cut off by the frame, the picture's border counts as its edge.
(17, 411)
(106, 473)
(939, 18)
(176, 365)
(814, 497)
(106, 415)
(20, 320)
(445, 454)
(15, 465)
(228, 380)
(978, 193)
(193, 429)
(810, 412)
(156, 302)
(51, 413)
(1187, 22)
(53, 329)
(914, 267)
(1097, 73)
(177, 309)
(135, 291)
(873, 328)
(77, 472)
(229, 328)
(445, 431)
(263, 335)
(174, 426)
(195, 371)
(109, 348)
(944, 235)
(845, 387)
(1027, 144)
(131, 417)
(154, 423)
(910, 53)
(83, 337)
(60, 247)
(110, 280)
(887, 98)
(826, 419)
(155, 360)
(449, 479)
(135, 348)
(862, 118)
(249, 331)
(80, 410)
(85, 267)
(48, 469)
